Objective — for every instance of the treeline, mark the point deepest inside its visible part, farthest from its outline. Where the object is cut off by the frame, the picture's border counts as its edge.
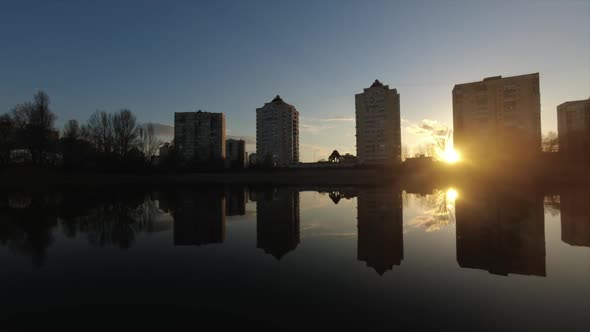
(107, 141)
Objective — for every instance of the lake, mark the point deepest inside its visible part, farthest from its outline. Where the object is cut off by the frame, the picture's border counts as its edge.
(296, 257)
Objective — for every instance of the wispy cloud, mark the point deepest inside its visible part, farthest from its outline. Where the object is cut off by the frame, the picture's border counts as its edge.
(313, 128)
(337, 118)
(427, 128)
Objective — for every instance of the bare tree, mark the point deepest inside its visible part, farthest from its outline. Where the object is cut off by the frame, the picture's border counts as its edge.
(71, 130)
(34, 122)
(6, 138)
(148, 142)
(125, 131)
(550, 142)
(426, 150)
(99, 131)
(405, 152)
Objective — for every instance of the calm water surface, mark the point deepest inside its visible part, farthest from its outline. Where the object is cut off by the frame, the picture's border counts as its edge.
(295, 258)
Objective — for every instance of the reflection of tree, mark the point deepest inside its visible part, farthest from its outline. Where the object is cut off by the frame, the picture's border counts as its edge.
(438, 210)
(27, 220)
(27, 229)
(116, 223)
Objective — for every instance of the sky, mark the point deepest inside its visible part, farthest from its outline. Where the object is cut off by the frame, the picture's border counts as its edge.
(161, 57)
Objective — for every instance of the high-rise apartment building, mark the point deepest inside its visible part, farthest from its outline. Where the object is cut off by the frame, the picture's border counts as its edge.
(498, 118)
(199, 136)
(378, 135)
(277, 133)
(573, 128)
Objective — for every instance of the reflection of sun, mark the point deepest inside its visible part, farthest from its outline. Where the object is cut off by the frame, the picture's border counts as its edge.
(452, 195)
(450, 155)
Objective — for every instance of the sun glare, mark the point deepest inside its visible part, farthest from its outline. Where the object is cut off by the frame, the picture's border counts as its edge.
(452, 195)
(450, 156)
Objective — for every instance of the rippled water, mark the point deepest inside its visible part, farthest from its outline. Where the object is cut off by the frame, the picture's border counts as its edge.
(296, 258)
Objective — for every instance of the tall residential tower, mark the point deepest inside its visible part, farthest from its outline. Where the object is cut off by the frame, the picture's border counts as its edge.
(378, 136)
(498, 118)
(277, 133)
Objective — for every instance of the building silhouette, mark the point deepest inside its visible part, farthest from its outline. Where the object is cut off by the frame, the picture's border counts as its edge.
(199, 217)
(378, 136)
(235, 153)
(199, 136)
(575, 217)
(498, 118)
(500, 232)
(277, 133)
(573, 128)
(277, 221)
(380, 228)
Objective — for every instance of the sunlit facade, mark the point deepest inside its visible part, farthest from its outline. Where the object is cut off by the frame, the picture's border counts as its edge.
(498, 118)
(378, 133)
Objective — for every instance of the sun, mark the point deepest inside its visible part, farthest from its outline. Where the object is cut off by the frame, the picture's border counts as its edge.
(452, 194)
(450, 156)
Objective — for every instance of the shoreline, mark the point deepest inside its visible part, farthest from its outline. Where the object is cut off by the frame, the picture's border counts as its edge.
(47, 178)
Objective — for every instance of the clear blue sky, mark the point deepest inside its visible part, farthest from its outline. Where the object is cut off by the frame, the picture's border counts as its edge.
(158, 57)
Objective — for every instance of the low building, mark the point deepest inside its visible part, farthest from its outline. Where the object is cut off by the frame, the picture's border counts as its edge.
(235, 153)
(252, 160)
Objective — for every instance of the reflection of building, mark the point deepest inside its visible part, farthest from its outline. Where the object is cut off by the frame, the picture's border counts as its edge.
(235, 153)
(235, 201)
(573, 126)
(380, 228)
(378, 135)
(199, 136)
(277, 133)
(497, 117)
(501, 233)
(199, 218)
(277, 221)
(575, 218)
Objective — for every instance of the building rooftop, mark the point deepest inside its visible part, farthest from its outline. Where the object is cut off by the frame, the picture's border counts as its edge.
(278, 99)
(492, 78)
(574, 102)
(376, 83)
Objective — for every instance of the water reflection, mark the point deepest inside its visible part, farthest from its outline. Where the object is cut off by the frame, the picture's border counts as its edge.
(380, 228)
(575, 217)
(438, 206)
(277, 221)
(28, 221)
(236, 197)
(199, 217)
(501, 232)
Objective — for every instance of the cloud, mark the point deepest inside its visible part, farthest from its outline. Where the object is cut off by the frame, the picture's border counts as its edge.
(337, 118)
(427, 128)
(312, 128)
(162, 130)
